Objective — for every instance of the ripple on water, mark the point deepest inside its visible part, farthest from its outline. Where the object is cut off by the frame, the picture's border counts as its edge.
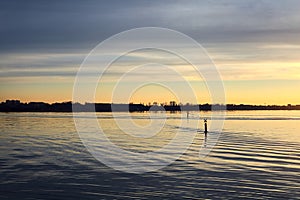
(42, 157)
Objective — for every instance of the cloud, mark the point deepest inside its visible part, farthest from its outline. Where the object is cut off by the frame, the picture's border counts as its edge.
(40, 38)
(44, 26)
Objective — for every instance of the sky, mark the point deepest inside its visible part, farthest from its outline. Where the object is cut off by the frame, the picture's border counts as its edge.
(254, 44)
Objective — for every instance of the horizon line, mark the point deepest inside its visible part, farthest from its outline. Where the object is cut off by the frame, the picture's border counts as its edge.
(174, 103)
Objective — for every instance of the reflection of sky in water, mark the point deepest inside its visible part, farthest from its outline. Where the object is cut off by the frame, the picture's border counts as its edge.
(42, 156)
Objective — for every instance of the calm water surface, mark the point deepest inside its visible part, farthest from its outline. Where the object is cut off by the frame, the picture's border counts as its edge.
(257, 157)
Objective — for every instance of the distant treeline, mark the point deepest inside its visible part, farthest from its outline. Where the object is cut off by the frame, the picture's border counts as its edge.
(17, 106)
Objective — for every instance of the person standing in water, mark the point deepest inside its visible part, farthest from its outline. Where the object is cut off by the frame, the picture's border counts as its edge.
(205, 127)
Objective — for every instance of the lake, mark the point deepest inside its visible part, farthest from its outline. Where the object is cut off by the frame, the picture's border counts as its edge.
(257, 156)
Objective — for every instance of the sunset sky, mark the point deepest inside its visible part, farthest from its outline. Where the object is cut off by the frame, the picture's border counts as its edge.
(255, 45)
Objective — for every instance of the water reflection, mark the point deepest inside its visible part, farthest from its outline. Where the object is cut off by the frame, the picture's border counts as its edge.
(42, 157)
